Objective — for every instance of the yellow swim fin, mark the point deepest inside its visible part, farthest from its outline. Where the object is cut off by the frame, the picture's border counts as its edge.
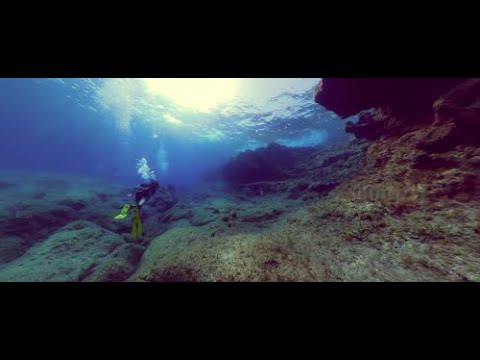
(123, 214)
(137, 228)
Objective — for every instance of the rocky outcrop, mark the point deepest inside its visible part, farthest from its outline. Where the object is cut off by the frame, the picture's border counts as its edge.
(422, 134)
(373, 124)
(323, 168)
(164, 199)
(118, 266)
(33, 222)
(74, 204)
(270, 163)
(70, 254)
(447, 109)
(457, 119)
(323, 188)
(261, 217)
(453, 183)
(263, 188)
(320, 188)
(404, 96)
(11, 248)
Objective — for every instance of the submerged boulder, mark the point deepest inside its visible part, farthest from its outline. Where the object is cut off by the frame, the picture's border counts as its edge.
(323, 188)
(262, 188)
(76, 205)
(270, 163)
(164, 199)
(372, 124)
(34, 222)
(457, 119)
(296, 191)
(427, 161)
(118, 266)
(453, 183)
(11, 248)
(67, 255)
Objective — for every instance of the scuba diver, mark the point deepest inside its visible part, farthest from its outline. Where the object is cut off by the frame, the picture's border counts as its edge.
(143, 193)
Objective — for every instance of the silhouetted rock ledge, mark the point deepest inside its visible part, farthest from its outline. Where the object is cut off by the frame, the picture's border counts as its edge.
(404, 96)
(422, 133)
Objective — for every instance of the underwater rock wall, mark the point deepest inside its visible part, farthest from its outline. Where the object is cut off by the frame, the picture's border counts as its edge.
(294, 172)
(270, 163)
(423, 138)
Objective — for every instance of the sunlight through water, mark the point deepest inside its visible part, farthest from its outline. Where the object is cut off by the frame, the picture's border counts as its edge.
(196, 94)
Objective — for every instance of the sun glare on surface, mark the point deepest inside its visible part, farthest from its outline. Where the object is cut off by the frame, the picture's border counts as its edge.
(172, 119)
(197, 94)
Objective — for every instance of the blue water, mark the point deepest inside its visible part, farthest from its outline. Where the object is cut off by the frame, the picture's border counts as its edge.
(67, 126)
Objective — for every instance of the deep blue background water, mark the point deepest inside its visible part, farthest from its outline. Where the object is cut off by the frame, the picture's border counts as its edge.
(43, 130)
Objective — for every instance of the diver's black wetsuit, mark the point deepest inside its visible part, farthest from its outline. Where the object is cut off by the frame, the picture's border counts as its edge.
(143, 192)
